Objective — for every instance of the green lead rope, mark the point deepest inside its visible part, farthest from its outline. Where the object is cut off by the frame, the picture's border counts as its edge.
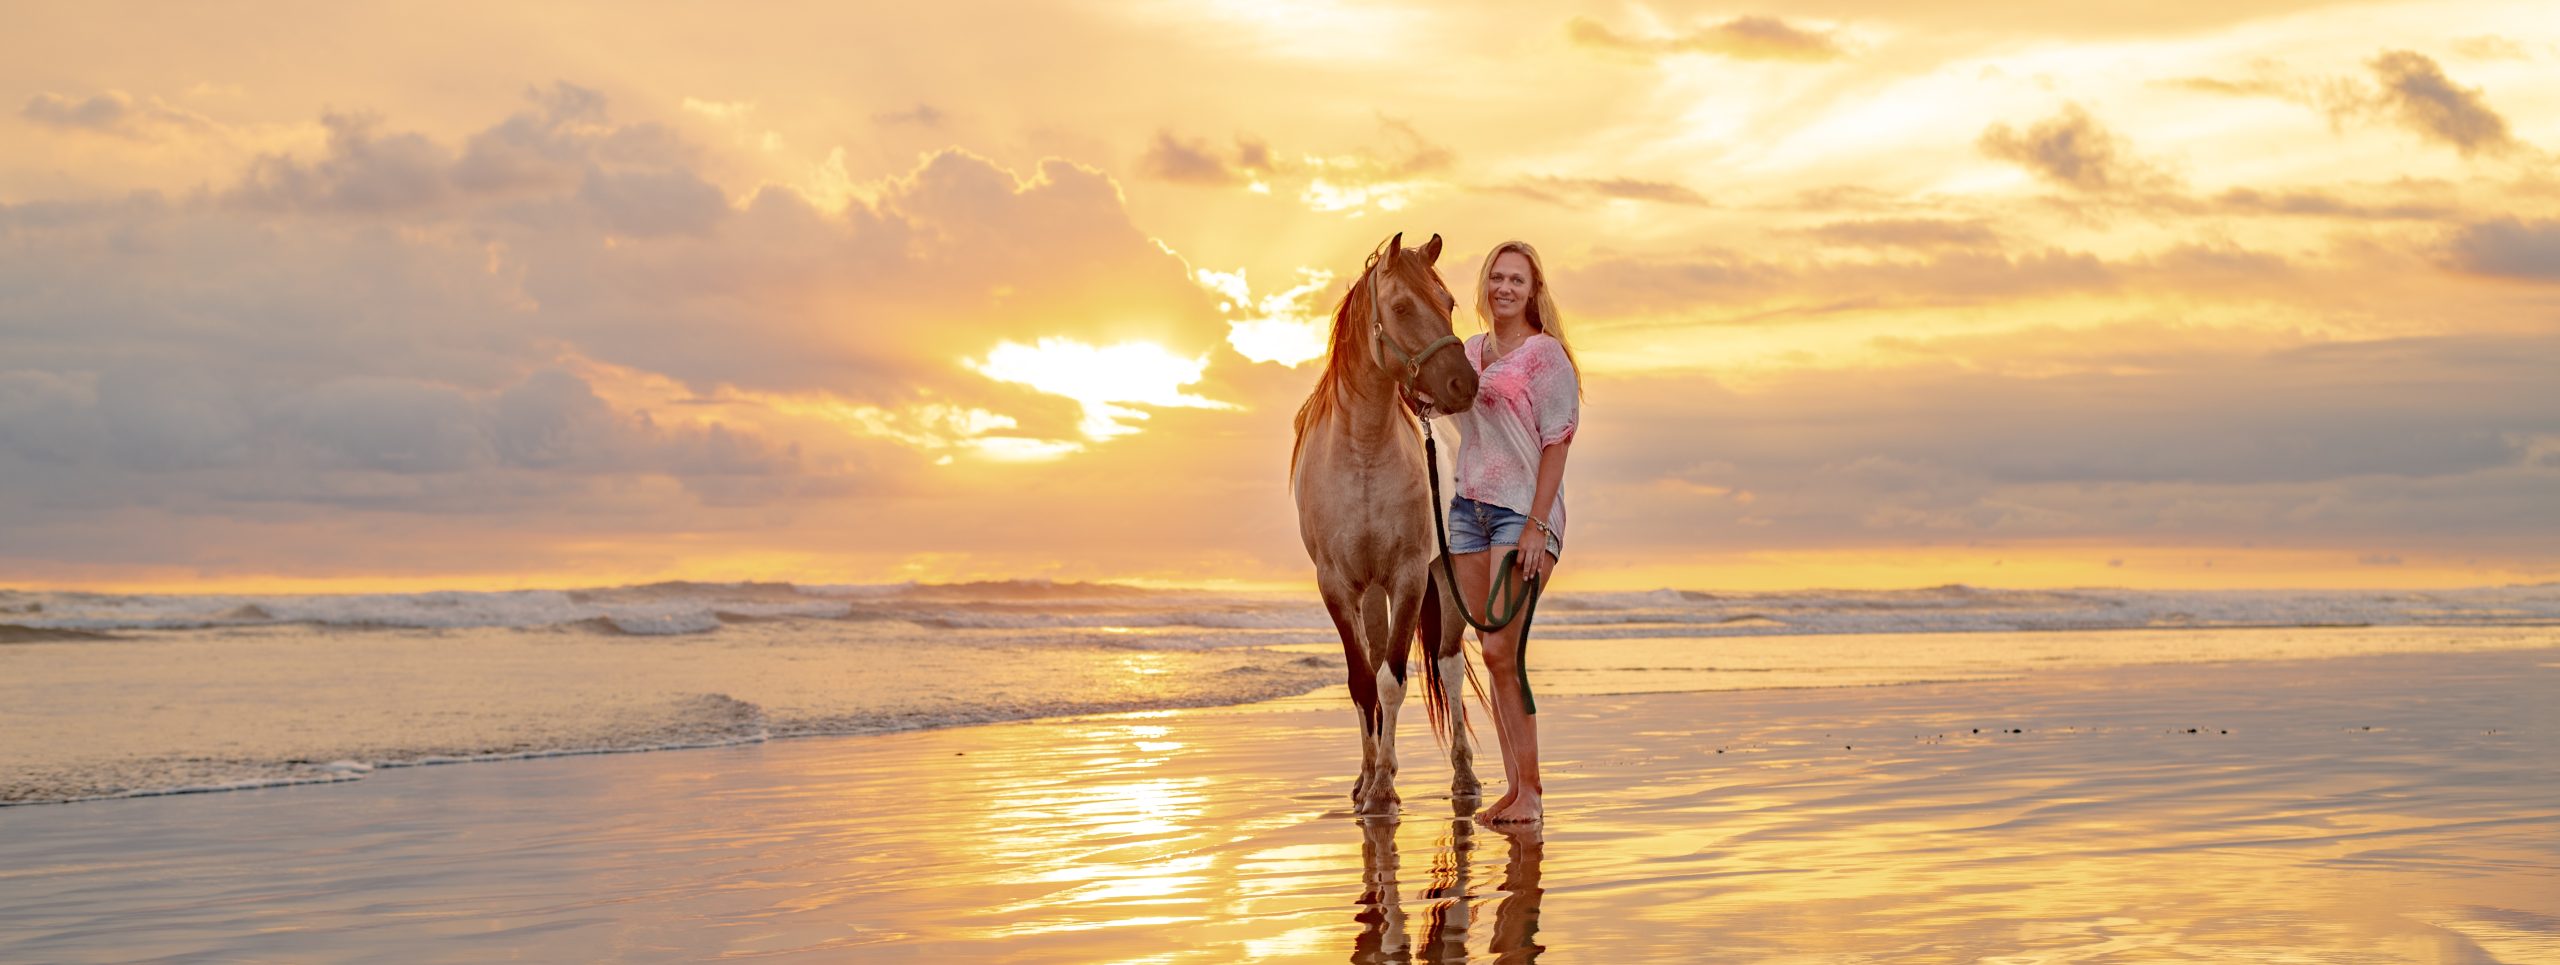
(1521, 605)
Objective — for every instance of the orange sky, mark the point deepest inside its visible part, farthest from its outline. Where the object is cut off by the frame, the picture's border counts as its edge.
(1867, 294)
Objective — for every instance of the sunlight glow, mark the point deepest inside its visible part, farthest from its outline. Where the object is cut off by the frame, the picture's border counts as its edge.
(932, 426)
(1108, 380)
(1287, 327)
(1323, 195)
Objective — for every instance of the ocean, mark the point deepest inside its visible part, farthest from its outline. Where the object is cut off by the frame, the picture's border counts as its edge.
(122, 695)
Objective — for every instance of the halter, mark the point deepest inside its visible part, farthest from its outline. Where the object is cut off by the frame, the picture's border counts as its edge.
(1410, 362)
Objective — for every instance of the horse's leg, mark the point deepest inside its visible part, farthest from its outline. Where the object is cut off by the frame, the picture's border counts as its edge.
(1382, 923)
(1342, 602)
(1444, 672)
(1475, 577)
(1391, 654)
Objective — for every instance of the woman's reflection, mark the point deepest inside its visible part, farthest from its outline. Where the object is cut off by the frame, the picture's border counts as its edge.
(1381, 916)
(1515, 919)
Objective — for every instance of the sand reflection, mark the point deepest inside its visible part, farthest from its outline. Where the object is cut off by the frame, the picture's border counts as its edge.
(1386, 931)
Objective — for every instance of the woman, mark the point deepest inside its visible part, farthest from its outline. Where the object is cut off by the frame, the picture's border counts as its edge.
(1511, 483)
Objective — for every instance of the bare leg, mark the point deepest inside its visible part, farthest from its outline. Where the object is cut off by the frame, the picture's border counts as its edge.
(1519, 731)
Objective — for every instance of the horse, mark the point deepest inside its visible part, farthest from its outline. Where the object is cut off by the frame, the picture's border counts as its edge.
(1364, 506)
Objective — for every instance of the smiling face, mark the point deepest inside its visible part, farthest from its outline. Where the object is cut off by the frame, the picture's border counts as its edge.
(1509, 283)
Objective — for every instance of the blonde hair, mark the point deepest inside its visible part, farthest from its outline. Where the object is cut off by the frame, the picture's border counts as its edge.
(1542, 301)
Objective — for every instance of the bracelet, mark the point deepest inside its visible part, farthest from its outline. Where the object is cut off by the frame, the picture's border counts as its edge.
(1540, 524)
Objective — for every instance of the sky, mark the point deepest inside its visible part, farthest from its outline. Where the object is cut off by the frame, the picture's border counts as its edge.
(324, 296)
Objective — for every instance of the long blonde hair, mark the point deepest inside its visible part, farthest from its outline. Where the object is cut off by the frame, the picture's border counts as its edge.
(1542, 300)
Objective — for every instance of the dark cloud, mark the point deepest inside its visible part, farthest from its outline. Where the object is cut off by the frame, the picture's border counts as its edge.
(2073, 150)
(1714, 280)
(2509, 247)
(1193, 162)
(2405, 87)
(393, 425)
(2345, 441)
(1919, 264)
(922, 115)
(49, 418)
(117, 113)
(567, 132)
(1401, 153)
(1408, 153)
(364, 172)
(1742, 38)
(2428, 102)
(646, 203)
(2306, 202)
(637, 178)
(1582, 192)
(555, 419)
(1919, 234)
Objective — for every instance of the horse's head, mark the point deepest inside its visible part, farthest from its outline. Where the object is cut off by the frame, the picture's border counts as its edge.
(1411, 336)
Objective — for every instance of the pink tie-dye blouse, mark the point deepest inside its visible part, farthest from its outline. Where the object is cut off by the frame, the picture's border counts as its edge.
(1528, 400)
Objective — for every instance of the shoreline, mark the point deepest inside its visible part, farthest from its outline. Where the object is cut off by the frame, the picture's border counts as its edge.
(747, 697)
(1839, 823)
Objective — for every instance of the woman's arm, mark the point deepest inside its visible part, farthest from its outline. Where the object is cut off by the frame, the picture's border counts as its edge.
(1533, 538)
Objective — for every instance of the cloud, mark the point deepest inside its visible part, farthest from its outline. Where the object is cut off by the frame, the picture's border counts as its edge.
(2509, 247)
(1919, 234)
(2405, 86)
(2431, 104)
(393, 425)
(648, 203)
(364, 172)
(922, 115)
(2312, 202)
(1741, 38)
(565, 133)
(116, 113)
(558, 313)
(2321, 444)
(1919, 264)
(1620, 284)
(2490, 47)
(1582, 192)
(2073, 150)
(1385, 175)
(1195, 162)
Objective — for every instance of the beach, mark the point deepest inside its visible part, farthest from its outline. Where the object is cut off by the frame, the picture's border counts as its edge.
(2391, 806)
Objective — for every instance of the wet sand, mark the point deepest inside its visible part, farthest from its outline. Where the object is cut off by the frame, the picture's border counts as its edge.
(2401, 807)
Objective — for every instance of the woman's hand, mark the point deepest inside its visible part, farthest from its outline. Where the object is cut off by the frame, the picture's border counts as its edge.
(1534, 560)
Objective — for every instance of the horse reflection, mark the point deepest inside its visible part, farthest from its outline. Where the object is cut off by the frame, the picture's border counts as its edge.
(1384, 932)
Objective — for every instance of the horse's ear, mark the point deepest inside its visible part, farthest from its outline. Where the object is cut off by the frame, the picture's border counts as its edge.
(1431, 251)
(1395, 245)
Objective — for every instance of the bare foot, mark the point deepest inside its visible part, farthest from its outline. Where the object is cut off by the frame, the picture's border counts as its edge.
(1501, 802)
(1525, 809)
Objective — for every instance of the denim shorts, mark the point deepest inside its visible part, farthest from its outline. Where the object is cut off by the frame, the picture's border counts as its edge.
(1476, 527)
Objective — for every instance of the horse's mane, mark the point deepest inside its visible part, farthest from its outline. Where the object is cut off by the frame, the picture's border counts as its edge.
(1342, 347)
